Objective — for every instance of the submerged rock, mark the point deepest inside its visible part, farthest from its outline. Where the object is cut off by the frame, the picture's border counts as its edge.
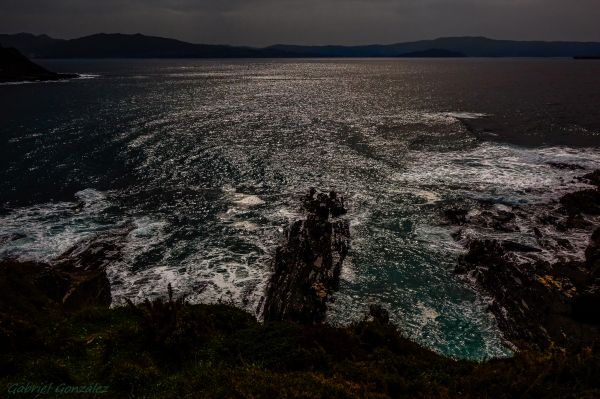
(307, 266)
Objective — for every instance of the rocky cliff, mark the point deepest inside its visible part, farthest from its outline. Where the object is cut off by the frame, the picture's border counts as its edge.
(307, 266)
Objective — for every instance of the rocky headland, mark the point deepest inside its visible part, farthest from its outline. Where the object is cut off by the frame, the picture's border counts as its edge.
(544, 288)
(15, 67)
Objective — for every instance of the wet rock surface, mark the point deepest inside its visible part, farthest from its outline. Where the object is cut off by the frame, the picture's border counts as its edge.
(586, 201)
(307, 266)
(85, 265)
(544, 288)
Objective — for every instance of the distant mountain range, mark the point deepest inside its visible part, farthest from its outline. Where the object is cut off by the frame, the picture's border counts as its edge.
(433, 53)
(117, 45)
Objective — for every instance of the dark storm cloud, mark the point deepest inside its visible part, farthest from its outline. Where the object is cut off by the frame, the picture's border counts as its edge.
(259, 22)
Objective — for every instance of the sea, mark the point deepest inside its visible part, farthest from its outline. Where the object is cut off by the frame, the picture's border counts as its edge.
(205, 161)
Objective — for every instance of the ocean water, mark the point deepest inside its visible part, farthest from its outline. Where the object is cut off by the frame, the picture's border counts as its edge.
(206, 160)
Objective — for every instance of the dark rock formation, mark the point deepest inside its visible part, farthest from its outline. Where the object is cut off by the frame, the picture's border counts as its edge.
(563, 165)
(592, 178)
(488, 217)
(15, 67)
(586, 305)
(535, 303)
(531, 301)
(542, 292)
(456, 215)
(34, 292)
(592, 254)
(585, 201)
(379, 314)
(307, 266)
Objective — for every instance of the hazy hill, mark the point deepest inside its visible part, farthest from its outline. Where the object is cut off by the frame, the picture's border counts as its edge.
(118, 45)
(433, 53)
(469, 46)
(28, 44)
(140, 46)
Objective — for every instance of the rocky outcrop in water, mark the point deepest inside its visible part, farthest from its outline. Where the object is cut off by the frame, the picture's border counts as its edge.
(543, 291)
(15, 67)
(307, 266)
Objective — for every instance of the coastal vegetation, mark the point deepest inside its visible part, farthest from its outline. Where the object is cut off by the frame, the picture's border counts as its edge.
(170, 349)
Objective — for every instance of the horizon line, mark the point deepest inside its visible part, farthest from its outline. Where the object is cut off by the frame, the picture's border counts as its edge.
(304, 45)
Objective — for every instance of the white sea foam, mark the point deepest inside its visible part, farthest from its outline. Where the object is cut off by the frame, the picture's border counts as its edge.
(245, 200)
(450, 117)
(23, 82)
(51, 228)
(427, 314)
(499, 170)
(245, 225)
(16, 83)
(83, 76)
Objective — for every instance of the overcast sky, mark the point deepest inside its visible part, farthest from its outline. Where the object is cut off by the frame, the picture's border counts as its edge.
(263, 22)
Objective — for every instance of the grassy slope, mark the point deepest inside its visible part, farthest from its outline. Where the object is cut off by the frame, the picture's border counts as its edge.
(177, 350)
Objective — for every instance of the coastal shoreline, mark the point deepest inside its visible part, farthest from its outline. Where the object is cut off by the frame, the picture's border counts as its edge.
(129, 348)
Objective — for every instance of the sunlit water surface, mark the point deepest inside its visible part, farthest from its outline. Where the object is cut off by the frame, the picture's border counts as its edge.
(206, 161)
